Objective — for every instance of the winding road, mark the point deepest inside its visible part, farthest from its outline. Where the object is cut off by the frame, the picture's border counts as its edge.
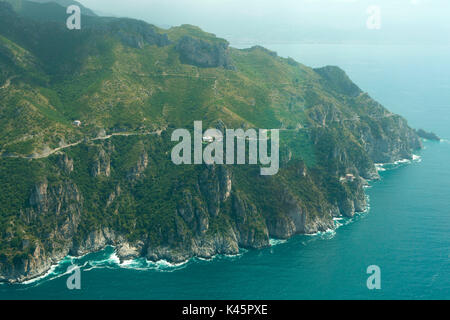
(48, 153)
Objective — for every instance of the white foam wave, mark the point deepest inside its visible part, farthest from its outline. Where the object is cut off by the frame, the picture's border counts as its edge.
(37, 279)
(402, 161)
(167, 264)
(327, 234)
(380, 167)
(275, 242)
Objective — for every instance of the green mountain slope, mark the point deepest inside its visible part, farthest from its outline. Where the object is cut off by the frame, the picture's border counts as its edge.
(67, 189)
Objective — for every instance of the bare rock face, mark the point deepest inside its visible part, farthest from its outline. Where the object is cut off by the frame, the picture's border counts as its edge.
(101, 165)
(226, 183)
(65, 164)
(204, 54)
(215, 184)
(294, 218)
(291, 221)
(94, 241)
(193, 212)
(138, 171)
(60, 200)
(168, 254)
(385, 145)
(38, 196)
(245, 214)
(134, 33)
(198, 210)
(203, 247)
(126, 251)
(113, 196)
(64, 203)
(22, 269)
(208, 247)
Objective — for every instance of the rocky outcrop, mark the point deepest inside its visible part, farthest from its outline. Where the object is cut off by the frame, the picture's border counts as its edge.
(65, 164)
(64, 204)
(204, 247)
(295, 219)
(262, 49)
(192, 211)
(94, 241)
(113, 196)
(335, 78)
(127, 251)
(28, 267)
(62, 200)
(427, 135)
(133, 33)
(355, 199)
(204, 54)
(245, 212)
(101, 165)
(137, 171)
(388, 140)
(215, 184)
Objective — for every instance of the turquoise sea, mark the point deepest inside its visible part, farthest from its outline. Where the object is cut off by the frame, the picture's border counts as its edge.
(406, 231)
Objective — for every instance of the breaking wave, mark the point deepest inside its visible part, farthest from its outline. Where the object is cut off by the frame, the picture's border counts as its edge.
(397, 164)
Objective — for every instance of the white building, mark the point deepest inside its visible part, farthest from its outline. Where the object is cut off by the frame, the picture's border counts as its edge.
(350, 177)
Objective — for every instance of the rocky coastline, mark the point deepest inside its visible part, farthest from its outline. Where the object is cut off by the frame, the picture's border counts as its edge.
(66, 200)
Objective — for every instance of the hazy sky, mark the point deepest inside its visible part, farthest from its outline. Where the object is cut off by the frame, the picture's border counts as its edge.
(293, 20)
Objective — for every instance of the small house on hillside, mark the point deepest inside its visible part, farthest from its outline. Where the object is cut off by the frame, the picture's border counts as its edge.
(350, 177)
(77, 123)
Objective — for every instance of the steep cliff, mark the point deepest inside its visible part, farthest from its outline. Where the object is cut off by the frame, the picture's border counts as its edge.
(204, 54)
